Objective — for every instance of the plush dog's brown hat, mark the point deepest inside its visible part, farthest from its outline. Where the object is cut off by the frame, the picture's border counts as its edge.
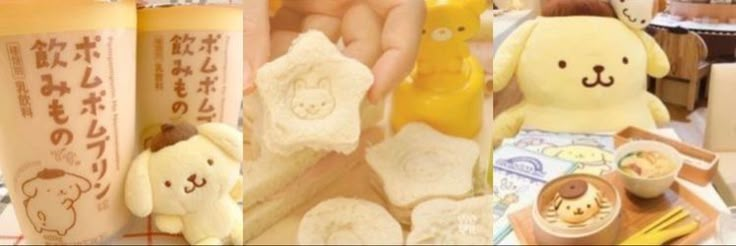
(171, 134)
(600, 8)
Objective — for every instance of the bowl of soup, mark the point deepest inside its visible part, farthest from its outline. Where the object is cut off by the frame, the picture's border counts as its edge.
(648, 168)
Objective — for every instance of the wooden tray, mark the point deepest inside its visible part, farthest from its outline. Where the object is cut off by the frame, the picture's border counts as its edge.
(638, 213)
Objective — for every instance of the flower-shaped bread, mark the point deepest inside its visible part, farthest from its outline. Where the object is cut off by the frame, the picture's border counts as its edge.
(449, 222)
(421, 163)
(345, 221)
(312, 96)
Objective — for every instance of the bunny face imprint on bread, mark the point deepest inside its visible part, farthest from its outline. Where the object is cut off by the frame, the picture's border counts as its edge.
(185, 180)
(50, 198)
(312, 100)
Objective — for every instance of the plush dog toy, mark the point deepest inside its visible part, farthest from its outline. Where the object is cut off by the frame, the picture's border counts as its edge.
(184, 180)
(634, 13)
(579, 72)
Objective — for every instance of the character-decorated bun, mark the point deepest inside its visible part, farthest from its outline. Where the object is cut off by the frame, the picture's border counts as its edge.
(577, 202)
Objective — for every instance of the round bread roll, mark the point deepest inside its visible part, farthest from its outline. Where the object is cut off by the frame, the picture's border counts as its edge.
(346, 221)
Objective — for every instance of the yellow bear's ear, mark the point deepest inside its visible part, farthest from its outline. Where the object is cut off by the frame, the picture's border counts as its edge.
(477, 6)
(138, 194)
(657, 63)
(224, 136)
(507, 56)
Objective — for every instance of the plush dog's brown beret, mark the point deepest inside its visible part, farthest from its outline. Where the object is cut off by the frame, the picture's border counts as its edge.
(171, 134)
(578, 8)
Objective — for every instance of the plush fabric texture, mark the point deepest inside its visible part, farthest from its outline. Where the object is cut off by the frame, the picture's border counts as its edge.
(579, 74)
(187, 186)
(634, 13)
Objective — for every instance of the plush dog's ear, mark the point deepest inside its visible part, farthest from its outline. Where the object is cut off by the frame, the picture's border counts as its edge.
(82, 183)
(29, 187)
(508, 54)
(138, 194)
(224, 136)
(657, 63)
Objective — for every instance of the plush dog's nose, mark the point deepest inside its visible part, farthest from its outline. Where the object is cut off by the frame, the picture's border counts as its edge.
(598, 68)
(192, 177)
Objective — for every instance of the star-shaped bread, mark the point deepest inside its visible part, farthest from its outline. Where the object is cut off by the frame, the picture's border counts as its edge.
(420, 163)
(311, 97)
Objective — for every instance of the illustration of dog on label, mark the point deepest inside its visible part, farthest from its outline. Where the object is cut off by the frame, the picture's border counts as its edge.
(51, 195)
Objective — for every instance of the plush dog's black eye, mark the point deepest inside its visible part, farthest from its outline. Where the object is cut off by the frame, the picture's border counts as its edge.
(461, 28)
(562, 64)
(167, 183)
(588, 205)
(210, 162)
(626, 60)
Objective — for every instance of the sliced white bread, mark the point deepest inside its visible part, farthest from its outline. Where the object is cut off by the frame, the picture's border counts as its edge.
(420, 163)
(252, 126)
(346, 221)
(311, 97)
(272, 172)
(450, 222)
(260, 216)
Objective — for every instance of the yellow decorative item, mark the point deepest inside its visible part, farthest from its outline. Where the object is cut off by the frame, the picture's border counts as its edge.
(445, 90)
(577, 78)
(657, 233)
(274, 6)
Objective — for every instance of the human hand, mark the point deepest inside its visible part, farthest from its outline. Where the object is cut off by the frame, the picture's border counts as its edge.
(382, 34)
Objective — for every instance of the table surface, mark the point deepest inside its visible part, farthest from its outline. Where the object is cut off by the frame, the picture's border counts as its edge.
(707, 192)
(665, 20)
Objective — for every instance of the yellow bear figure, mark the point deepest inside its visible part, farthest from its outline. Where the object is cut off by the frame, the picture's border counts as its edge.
(445, 90)
(579, 74)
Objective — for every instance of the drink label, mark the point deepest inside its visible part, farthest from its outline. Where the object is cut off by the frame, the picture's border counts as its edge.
(192, 76)
(67, 116)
